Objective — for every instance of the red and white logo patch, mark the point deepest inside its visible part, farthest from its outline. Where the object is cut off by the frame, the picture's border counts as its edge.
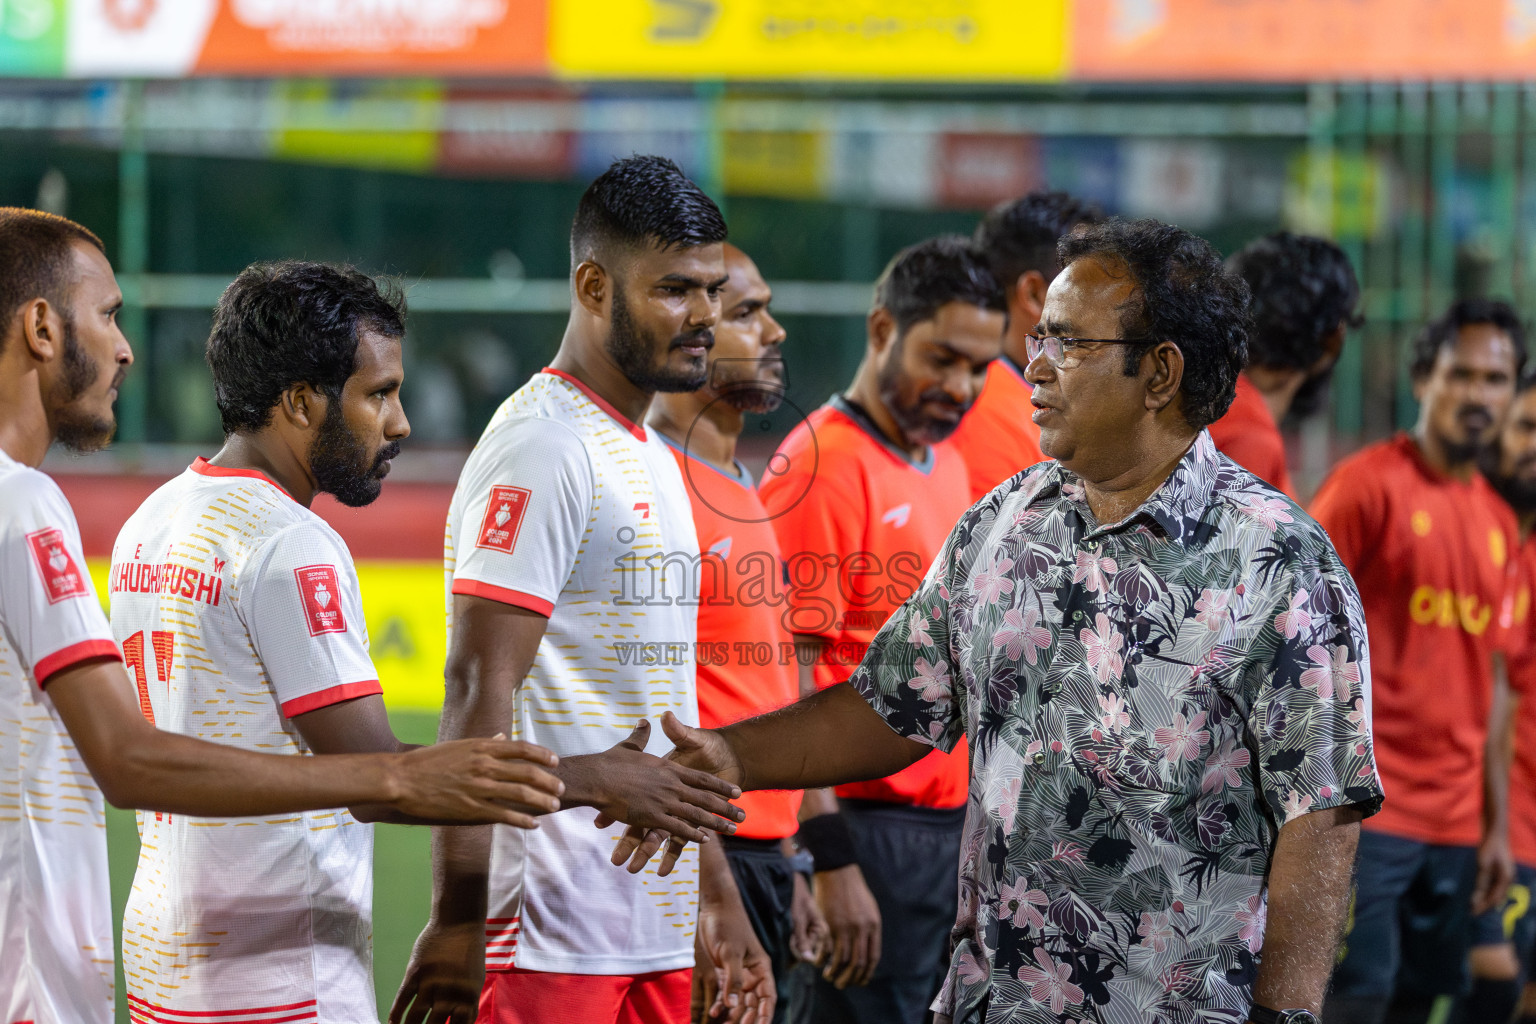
(503, 518)
(62, 578)
(321, 594)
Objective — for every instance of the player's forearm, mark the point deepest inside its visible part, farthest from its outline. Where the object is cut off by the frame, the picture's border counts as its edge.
(717, 885)
(1309, 882)
(161, 771)
(1498, 753)
(825, 739)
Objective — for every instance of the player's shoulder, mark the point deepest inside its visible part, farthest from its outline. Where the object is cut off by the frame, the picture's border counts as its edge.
(25, 491)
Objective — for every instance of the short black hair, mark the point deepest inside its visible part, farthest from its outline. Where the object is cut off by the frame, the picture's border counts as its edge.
(1442, 331)
(1021, 235)
(1302, 289)
(35, 260)
(924, 277)
(1182, 294)
(639, 201)
(293, 322)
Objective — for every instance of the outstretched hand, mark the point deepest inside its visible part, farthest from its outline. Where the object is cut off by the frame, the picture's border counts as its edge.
(703, 750)
(657, 796)
(478, 781)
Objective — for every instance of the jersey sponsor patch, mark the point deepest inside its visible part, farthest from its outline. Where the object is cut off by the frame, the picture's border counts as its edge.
(61, 577)
(321, 592)
(503, 518)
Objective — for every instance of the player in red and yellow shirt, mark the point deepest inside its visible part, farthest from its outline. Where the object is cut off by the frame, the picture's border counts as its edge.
(1304, 294)
(1504, 938)
(863, 495)
(1428, 541)
(746, 656)
(997, 438)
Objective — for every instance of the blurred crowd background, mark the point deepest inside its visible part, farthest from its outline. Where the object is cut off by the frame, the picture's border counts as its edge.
(447, 142)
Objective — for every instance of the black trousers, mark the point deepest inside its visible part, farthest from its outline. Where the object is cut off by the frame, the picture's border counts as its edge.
(910, 857)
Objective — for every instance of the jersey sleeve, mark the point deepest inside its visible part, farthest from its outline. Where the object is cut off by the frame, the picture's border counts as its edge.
(911, 673)
(816, 517)
(301, 604)
(522, 511)
(1351, 508)
(48, 606)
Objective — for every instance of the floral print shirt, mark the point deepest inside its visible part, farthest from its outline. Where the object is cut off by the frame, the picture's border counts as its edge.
(1147, 703)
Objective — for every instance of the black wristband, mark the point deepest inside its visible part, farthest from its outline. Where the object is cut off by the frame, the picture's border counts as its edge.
(830, 843)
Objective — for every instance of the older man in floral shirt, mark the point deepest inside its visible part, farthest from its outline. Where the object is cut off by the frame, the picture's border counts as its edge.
(1161, 665)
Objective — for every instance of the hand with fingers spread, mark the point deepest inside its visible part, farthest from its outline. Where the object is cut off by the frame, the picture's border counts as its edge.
(702, 750)
(852, 950)
(653, 795)
(444, 977)
(477, 781)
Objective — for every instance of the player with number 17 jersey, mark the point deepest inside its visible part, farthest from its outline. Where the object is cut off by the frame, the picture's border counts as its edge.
(238, 609)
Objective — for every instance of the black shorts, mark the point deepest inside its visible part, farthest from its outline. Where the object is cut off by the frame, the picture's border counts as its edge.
(1514, 922)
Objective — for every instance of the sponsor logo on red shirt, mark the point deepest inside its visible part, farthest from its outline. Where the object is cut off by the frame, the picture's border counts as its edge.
(61, 577)
(503, 518)
(321, 594)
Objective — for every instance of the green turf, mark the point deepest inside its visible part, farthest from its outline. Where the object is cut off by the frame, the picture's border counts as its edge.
(402, 886)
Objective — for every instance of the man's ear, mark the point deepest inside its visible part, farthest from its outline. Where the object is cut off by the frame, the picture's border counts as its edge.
(593, 288)
(302, 406)
(1028, 297)
(880, 329)
(1163, 368)
(42, 329)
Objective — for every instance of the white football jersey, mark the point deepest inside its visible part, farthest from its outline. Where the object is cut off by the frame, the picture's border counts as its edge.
(237, 609)
(55, 910)
(568, 509)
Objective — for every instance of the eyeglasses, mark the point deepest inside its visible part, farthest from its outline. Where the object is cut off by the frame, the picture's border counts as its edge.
(1055, 349)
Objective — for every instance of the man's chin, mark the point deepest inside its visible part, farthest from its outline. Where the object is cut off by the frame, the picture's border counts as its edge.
(85, 436)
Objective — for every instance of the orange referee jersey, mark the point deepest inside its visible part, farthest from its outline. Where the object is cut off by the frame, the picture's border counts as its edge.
(1429, 555)
(746, 662)
(997, 438)
(858, 525)
(1249, 436)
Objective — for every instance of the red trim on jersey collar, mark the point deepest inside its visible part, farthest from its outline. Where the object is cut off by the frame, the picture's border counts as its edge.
(600, 402)
(69, 657)
(202, 467)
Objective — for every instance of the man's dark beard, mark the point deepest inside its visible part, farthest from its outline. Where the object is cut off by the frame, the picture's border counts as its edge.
(342, 465)
(916, 427)
(1312, 394)
(634, 351)
(77, 431)
(1519, 493)
(747, 393)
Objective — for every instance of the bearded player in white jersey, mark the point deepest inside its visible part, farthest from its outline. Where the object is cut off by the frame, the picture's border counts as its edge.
(240, 612)
(570, 555)
(68, 713)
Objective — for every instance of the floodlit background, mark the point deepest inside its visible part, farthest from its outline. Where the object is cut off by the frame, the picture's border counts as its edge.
(446, 142)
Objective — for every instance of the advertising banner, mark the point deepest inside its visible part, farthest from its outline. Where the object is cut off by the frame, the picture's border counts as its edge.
(1296, 40)
(32, 37)
(171, 38)
(974, 40)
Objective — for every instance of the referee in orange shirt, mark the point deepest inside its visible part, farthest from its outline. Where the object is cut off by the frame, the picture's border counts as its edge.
(997, 438)
(746, 663)
(864, 493)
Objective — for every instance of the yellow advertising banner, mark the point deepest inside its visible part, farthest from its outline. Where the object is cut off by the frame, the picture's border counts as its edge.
(973, 40)
(407, 627)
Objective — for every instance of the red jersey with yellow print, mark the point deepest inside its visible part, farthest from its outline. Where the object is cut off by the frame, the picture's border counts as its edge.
(1249, 436)
(997, 438)
(858, 525)
(1522, 677)
(1429, 554)
(746, 657)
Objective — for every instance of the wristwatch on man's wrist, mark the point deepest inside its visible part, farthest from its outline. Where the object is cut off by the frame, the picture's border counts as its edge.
(1264, 1015)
